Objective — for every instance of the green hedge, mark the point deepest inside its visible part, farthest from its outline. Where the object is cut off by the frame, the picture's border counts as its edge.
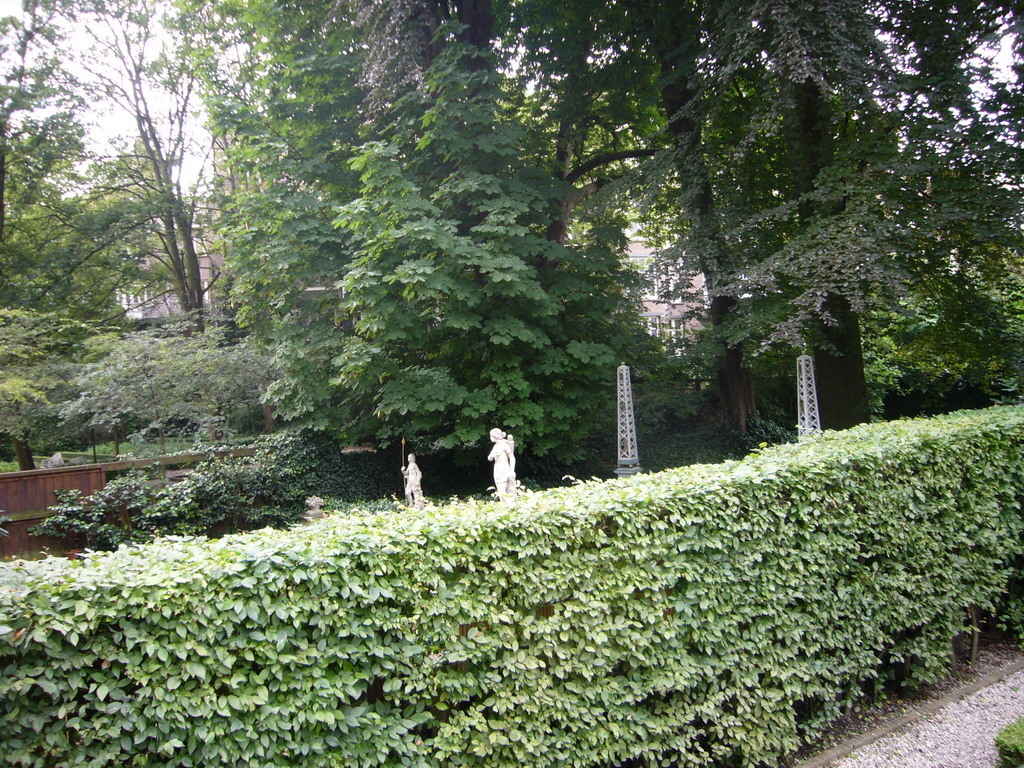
(697, 617)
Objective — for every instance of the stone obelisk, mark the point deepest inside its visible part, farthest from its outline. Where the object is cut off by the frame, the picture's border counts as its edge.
(629, 456)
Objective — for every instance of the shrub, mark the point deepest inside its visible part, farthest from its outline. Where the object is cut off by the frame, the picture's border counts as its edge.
(222, 494)
(705, 616)
(105, 519)
(1010, 745)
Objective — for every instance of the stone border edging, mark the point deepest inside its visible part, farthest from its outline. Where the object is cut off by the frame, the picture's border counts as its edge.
(915, 714)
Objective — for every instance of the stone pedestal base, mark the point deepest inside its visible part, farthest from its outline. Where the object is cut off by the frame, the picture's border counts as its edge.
(633, 470)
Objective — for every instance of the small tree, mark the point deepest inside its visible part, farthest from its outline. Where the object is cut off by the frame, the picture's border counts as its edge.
(163, 377)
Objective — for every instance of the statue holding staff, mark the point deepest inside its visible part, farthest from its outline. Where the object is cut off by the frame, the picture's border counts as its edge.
(503, 456)
(413, 479)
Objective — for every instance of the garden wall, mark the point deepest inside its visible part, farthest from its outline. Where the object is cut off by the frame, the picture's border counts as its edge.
(697, 616)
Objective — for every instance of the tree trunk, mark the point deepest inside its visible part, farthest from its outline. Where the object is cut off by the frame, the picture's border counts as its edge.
(735, 384)
(839, 369)
(680, 102)
(23, 454)
(193, 274)
(478, 17)
(176, 220)
(838, 357)
(269, 423)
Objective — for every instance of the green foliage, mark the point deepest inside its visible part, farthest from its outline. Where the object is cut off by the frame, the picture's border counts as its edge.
(286, 109)
(224, 495)
(439, 303)
(36, 352)
(306, 463)
(1010, 745)
(462, 313)
(700, 617)
(925, 354)
(65, 246)
(826, 175)
(105, 519)
(168, 377)
(220, 496)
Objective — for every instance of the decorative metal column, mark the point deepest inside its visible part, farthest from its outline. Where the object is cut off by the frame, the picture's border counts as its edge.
(629, 457)
(808, 421)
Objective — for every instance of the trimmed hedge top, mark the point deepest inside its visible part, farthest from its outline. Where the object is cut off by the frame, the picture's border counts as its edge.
(701, 616)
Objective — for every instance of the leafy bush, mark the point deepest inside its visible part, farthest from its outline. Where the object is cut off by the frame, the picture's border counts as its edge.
(168, 380)
(705, 616)
(221, 495)
(225, 495)
(105, 519)
(1010, 745)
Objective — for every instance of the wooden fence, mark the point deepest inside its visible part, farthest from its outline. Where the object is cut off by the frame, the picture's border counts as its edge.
(25, 496)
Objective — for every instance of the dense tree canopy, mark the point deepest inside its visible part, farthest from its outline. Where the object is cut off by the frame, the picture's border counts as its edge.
(425, 205)
(446, 295)
(821, 166)
(838, 161)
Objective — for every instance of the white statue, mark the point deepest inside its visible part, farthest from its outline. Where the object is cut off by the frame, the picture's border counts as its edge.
(57, 460)
(413, 480)
(504, 465)
(313, 511)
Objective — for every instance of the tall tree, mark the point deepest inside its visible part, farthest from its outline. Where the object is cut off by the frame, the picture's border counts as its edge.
(814, 183)
(68, 239)
(34, 350)
(458, 307)
(58, 263)
(282, 86)
(40, 139)
(677, 43)
(587, 98)
(820, 169)
(138, 63)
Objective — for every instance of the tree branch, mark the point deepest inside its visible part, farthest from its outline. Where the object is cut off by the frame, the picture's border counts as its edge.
(611, 157)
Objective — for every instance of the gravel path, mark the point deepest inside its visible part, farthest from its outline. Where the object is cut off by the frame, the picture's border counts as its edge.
(960, 735)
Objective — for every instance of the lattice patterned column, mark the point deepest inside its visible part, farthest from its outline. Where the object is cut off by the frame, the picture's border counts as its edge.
(808, 421)
(629, 456)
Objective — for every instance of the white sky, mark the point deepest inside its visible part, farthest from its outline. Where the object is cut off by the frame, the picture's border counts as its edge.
(108, 125)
